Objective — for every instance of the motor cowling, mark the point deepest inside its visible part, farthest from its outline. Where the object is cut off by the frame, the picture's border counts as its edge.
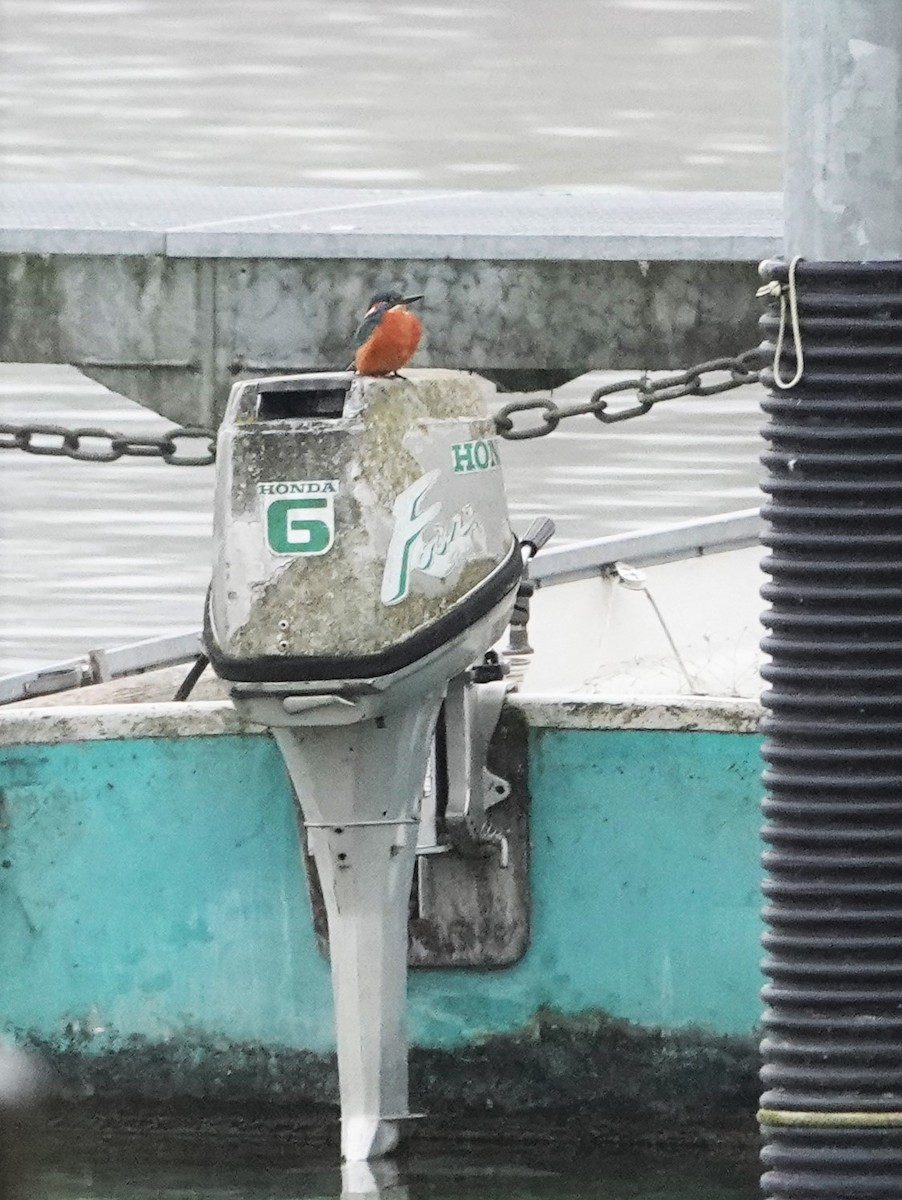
(360, 524)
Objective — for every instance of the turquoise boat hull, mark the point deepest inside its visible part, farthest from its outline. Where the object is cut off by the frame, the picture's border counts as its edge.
(157, 941)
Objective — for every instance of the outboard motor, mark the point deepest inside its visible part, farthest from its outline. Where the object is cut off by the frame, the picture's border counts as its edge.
(363, 560)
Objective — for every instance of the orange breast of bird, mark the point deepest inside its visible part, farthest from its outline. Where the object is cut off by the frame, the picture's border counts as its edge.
(390, 345)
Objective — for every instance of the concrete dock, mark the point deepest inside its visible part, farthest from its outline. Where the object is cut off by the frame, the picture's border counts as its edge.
(167, 294)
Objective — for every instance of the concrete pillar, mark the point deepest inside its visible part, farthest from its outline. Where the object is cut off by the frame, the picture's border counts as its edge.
(843, 185)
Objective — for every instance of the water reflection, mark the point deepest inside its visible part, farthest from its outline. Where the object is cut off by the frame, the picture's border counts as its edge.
(512, 1175)
(380, 1180)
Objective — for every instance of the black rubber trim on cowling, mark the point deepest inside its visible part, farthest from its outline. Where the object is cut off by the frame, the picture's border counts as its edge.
(276, 668)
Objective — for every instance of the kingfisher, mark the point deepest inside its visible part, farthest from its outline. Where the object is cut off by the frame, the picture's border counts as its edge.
(387, 336)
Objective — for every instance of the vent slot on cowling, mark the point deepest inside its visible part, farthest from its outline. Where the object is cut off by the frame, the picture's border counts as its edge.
(301, 404)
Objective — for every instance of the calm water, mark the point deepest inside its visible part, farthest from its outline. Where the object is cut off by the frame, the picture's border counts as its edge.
(440, 93)
(499, 93)
(475, 1176)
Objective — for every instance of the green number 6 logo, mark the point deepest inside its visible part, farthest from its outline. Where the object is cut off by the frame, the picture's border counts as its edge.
(303, 525)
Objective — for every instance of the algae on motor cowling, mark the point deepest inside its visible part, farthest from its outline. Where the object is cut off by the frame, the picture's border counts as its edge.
(332, 621)
(395, 406)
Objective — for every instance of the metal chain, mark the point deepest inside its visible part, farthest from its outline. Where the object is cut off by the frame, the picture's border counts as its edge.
(67, 443)
(741, 370)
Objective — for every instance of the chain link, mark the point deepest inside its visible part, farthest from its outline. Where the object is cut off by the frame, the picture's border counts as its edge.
(68, 443)
(741, 370)
(172, 447)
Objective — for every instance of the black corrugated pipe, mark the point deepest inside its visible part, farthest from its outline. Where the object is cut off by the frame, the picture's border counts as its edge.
(831, 1113)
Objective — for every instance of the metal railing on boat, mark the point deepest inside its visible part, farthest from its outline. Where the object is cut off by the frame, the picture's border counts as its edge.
(646, 547)
(98, 666)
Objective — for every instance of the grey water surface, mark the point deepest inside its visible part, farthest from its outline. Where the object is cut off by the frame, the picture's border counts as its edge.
(475, 1176)
(653, 94)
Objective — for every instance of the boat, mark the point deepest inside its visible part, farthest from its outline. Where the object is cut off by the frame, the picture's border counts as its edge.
(165, 941)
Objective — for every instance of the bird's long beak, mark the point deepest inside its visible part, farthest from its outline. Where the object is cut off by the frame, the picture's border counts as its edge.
(410, 299)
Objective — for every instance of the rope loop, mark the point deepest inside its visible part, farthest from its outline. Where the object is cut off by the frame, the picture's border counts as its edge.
(780, 292)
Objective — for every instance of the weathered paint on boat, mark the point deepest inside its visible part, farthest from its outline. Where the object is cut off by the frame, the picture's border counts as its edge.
(156, 937)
